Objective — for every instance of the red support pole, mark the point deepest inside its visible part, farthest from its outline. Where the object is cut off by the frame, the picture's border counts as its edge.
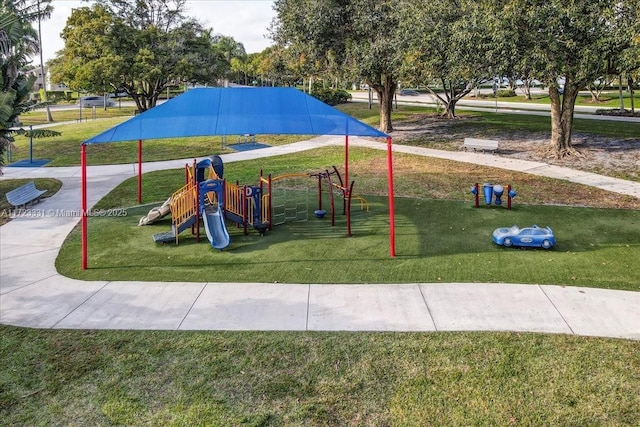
(197, 201)
(83, 166)
(245, 217)
(392, 226)
(509, 197)
(320, 191)
(346, 160)
(139, 171)
(349, 210)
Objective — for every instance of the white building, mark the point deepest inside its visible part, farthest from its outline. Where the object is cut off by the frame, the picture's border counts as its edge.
(39, 84)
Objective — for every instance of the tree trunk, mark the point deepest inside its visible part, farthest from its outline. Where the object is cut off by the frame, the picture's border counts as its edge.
(526, 88)
(44, 78)
(450, 99)
(385, 94)
(140, 106)
(562, 108)
(450, 108)
(630, 88)
(620, 92)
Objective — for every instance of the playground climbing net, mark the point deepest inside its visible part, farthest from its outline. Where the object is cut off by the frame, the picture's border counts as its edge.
(290, 198)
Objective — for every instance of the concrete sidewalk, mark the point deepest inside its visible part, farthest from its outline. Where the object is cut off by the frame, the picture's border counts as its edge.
(33, 294)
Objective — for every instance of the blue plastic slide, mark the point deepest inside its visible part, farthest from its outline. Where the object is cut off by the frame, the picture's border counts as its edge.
(214, 226)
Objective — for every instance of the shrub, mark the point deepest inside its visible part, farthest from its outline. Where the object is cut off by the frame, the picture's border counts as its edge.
(506, 93)
(332, 96)
(616, 112)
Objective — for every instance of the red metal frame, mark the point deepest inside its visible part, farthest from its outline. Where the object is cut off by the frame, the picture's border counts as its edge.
(83, 162)
(139, 171)
(83, 166)
(392, 226)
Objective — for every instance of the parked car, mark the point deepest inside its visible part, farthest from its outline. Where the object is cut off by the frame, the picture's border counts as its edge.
(409, 92)
(533, 237)
(95, 101)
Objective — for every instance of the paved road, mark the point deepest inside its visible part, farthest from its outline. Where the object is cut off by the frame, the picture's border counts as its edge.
(33, 294)
(490, 105)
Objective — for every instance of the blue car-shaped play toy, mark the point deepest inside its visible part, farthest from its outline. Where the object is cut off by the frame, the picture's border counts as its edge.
(532, 237)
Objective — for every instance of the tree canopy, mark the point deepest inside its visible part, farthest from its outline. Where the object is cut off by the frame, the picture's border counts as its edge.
(566, 45)
(18, 41)
(139, 50)
(360, 37)
(451, 46)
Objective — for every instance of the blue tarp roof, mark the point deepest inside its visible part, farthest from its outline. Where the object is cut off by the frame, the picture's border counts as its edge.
(237, 111)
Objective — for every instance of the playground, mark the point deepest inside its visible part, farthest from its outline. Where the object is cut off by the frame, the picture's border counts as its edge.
(259, 198)
(323, 378)
(440, 240)
(275, 200)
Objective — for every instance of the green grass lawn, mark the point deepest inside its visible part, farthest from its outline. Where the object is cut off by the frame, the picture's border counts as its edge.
(437, 240)
(39, 117)
(169, 378)
(64, 150)
(608, 99)
(485, 123)
(146, 378)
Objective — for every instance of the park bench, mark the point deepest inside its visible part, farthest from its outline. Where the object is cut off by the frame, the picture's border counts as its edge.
(476, 144)
(24, 194)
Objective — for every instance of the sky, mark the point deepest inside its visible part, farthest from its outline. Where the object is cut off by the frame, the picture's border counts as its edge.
(247, 21)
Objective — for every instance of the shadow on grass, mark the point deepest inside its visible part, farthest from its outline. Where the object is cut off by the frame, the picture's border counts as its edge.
(435, 241)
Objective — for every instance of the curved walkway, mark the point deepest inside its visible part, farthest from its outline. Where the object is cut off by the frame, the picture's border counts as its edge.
(33, 294)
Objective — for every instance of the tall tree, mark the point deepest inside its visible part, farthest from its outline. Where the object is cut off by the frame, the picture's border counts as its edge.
(568, 45)
(229, 47)
(629, 59)
(37, 11)
(239, 70)
(90, 61)
(18, 42)
(106, 52)
(230, 50)
(448, 47)
(142, 14)
(360, 35)
(271, 67)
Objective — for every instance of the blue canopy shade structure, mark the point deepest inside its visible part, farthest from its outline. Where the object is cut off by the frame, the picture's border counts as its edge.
(236, 111)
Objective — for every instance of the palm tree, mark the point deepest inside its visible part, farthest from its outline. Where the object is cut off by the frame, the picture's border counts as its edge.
(18, 41)
(32, 11)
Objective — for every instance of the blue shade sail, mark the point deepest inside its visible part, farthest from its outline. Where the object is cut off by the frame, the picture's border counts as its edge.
(237, 111)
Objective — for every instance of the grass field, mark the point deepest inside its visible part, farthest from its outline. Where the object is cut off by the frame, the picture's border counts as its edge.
(444, 239)
(169, 378)
(39, 117)
(64, 150)
(608, 100)
(107, 378)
